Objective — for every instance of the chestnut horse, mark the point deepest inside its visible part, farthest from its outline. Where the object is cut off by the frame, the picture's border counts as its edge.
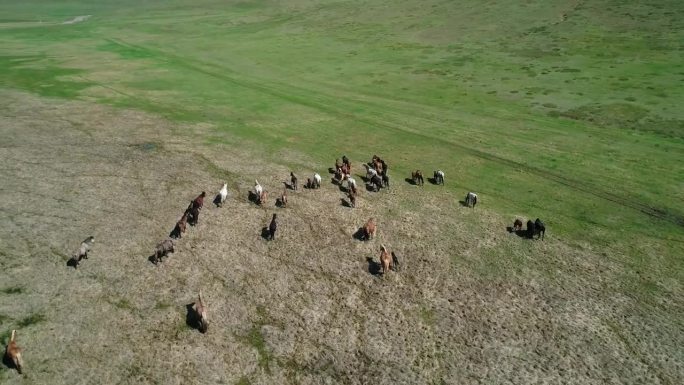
(369, 229)
(385, 260)
(283, 198)
(262, 197)
(417, 177)
(352, 199)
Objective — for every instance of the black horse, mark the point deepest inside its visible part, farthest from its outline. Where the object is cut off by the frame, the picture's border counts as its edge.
(536, 228)
(539, 228)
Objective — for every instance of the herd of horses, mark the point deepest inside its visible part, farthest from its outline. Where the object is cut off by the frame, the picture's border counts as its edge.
(376, 178)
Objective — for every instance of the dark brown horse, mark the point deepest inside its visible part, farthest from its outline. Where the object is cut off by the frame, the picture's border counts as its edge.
(293, 181)
(199, 201)
(517, 224)
(417, 177)
(181, 226)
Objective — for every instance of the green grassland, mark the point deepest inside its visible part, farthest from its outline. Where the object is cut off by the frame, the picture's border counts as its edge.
(565, 110)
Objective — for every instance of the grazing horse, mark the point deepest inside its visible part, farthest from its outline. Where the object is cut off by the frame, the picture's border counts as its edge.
(223, 193)
(257, 188)
(385, 259)
(369, 229)
(439, 177)
(385, 180)
(199, 201)
(317, 180)
(376, 182)
(352, 199)
(163, 249)
(417, 177)
(293, 181)
(283, 198)
(539, 228)
(309, 183)
(272, 227)
(471, 199)
(517, 224)
(181, 226)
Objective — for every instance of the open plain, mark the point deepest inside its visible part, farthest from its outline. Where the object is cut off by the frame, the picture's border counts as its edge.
(114, 115)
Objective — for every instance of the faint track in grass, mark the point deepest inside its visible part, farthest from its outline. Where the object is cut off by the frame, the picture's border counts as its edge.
(339, 107)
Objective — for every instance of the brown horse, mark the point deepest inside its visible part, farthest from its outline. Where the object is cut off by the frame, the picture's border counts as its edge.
(517, 225)
(201, 312)
(262, 197)
(369, 229)
(293, 181)
(385, 259)
(283, 199)
(13, 353)
(199, 201)
(417, 177)
(181, 226)
(352, 199)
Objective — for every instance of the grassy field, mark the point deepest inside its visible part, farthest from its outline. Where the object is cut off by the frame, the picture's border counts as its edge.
(565, 110)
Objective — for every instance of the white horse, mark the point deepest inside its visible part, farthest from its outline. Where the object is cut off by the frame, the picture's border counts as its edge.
(439, 177)
(471, 199)
(223, 193)
(257, 188)
(350, 181)
(370, 172)
(317, 180)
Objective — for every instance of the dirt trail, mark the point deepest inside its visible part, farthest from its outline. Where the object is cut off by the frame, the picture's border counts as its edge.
(302, 309)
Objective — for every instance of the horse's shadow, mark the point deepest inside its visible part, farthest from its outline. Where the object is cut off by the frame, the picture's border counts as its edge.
(176, 232)
(153, 259)
(253, 197)
(522, 233)
(343, 188)
(371, 188)
(289, 186)
(217, 200)
(335, 181)
(432, 180)
(360, 234)
(8, 362)
(279, 203)
(192, 319)
(345, 203)
(373, 267)
(410, 181)
(265, 234)
(72, 263)
(331, 170)
(463, 203)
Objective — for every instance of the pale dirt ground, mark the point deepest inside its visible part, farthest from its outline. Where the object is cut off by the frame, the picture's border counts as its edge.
(303, 309)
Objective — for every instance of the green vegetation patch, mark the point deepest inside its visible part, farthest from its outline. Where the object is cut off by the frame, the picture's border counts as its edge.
(32, 320)
(39, 75)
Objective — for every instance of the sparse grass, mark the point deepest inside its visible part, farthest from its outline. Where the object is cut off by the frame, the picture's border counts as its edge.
(31, 320)
(13, 290)
(243, 381)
